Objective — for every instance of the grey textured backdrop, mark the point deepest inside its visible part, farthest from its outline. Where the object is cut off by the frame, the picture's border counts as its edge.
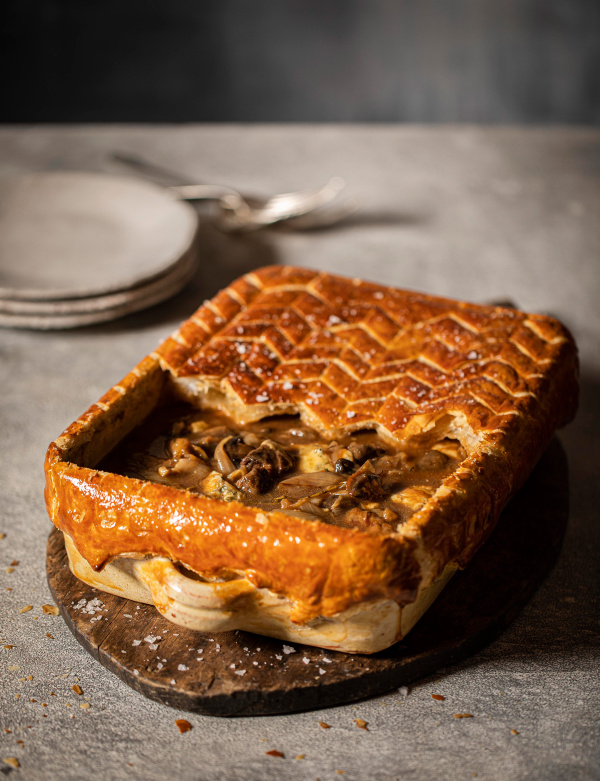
(301, 60)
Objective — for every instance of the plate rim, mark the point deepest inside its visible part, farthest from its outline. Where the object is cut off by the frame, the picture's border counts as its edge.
(66, 294)
(152, 295)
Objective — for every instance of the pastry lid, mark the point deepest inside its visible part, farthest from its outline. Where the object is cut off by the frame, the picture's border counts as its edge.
(344, 354)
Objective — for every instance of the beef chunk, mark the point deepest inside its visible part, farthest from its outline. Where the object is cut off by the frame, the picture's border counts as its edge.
(271, 456)
(264, 466)
(366, 486)
(256, 481)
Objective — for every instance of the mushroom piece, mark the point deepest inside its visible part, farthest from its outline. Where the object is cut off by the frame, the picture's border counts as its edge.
(225, 464)
(339, 501)
(362, 452)
(301, 514)
(313, 509)
(343, 466)
(339, 451)
(180, 447)
(432, 460)
(210, 437)
(309, 484)
(237, 449)
(251, 439)
(187, 471)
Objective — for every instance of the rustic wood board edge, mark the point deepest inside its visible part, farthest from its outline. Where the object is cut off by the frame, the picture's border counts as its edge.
(244, 674)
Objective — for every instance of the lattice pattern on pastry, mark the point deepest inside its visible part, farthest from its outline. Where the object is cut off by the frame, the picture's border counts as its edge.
(353, 353)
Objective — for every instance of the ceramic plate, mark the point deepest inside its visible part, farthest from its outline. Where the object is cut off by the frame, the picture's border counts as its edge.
(67, 234)
(79, 312)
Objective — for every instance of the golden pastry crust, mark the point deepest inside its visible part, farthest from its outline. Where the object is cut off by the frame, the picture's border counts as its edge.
(345, 355)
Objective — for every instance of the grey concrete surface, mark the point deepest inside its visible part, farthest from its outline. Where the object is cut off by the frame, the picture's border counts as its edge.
(478, 214)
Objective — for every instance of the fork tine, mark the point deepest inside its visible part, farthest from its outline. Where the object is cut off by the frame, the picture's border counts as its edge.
(321, 218)
(336, 185)
(285, 205)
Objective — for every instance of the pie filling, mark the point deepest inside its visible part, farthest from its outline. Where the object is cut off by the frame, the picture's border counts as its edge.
(358, 481)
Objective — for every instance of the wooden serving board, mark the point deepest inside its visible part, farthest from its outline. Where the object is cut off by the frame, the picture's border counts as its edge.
(236, 673)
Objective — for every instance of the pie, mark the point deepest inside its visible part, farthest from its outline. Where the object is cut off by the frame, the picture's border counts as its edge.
(310, 457)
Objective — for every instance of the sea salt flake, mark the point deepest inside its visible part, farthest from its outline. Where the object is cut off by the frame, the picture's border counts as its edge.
(240, 672)
(92, 607)
(182, 667)
(137, 642)
(350, 413)
(287, 649)
(306, 660)
(287, 386)
(322, 671)
(279, 656)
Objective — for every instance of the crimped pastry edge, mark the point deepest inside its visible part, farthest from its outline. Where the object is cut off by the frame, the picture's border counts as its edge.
(448, 530)
(365, 628)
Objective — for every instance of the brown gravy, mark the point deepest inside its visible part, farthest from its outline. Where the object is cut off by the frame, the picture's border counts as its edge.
(358, 481)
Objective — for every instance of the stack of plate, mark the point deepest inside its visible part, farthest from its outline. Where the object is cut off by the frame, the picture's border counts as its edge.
(80, 248)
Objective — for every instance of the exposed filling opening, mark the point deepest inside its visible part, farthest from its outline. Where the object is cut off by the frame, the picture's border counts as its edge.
(360, 480)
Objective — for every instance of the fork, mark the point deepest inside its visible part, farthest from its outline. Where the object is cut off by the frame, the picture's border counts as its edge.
(239, 212)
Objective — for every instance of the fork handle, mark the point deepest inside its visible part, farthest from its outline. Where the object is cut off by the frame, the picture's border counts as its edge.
(207, 192)
(149, 170)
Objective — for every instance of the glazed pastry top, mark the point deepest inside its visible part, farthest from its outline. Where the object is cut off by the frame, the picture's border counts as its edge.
(348, 354)
(344, 355)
